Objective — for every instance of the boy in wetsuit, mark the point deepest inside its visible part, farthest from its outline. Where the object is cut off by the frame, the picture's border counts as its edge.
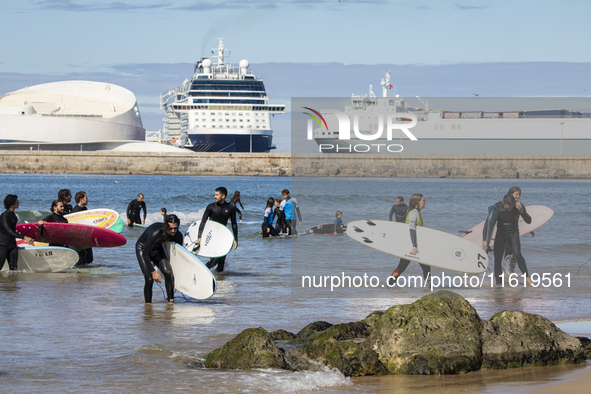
(236, 200)
(288, 206)
(85, 255)
(8, 233)
(219, 211)
(133, 211)
(279, 225)
(508, 233)
(399, 210)
(149, 250)
(338, 223)
(65, 197)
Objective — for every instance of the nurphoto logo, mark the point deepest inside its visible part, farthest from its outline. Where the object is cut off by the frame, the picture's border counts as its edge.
(339, 141)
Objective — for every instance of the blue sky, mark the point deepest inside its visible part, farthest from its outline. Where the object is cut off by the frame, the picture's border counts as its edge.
(304, 48)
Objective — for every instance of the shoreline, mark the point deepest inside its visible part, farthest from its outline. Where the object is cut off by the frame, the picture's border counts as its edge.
(467, 166)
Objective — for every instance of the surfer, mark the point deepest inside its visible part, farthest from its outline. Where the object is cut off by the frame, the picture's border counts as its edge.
(236, 200)
(338, 223)
(65, 197)
(56, 216)
(85, 255)
(267, 225)
(288, 206)
(508, 233)
(219, 211)
(133, 211)
(149, 250)
(81, 202)
(8, 233)
(164, 215)
(399, 210)
(414, 219)
(279, 215)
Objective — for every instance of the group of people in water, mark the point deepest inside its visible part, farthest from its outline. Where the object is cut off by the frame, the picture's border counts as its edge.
(280, 214)
(59, 207)
(507, 241)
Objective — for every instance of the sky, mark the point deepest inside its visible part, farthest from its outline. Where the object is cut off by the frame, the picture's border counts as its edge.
(303, 48)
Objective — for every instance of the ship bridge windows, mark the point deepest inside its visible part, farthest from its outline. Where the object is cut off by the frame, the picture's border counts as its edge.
(251, 85)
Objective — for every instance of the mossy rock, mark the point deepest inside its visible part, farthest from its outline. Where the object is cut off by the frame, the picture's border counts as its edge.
(438, 334)
(517, 339)
(371, 319)
(252, 348)
(313, 328)
(282, 335)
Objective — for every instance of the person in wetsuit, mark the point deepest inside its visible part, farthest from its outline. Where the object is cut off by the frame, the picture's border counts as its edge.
(8, 233)
(133, 211)
(149, 250)
(413, 218)
(338, 223)
(65, 197)
(267, 226)
(85, 255)
(399, 210)
(236, 200)
(279, 215)
(219, 211)
(288, 206)
(56, 216)
(508, 232)
(81, 201)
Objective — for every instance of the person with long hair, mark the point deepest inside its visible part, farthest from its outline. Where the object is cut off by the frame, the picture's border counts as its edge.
(413, 219)
(267, 225)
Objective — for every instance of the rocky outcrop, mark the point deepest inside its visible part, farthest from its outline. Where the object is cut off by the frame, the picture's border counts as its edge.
(440, 333)
(518, 339)
(253, 348)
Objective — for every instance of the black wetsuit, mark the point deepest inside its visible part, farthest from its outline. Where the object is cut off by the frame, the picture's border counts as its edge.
(219, 213)
(133, 211)
(399, 212)
(55, 218)
(233, 202)
(508, 233)
(85, 256)
(67, 208)
(8, 235)
(280, 223)
(149, 251)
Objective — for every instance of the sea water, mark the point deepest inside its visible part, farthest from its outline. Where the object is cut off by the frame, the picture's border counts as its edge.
(88, 329)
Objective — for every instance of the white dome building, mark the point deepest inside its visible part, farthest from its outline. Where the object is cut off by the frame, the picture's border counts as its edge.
(70, 115)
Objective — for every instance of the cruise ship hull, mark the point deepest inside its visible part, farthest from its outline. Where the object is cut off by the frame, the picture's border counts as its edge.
(239, 143)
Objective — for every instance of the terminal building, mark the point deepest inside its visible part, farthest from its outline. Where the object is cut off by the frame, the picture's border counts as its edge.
(73, 115)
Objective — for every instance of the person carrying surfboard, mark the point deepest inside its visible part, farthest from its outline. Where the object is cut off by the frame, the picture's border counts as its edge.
(414, 219)
(133, 211)
(8, 233)
(81, 201)
(150, 253)
(338, 223)
(507, 220)
(219, 211)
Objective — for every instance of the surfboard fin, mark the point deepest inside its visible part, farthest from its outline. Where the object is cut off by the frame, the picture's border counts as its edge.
(41, 228)
(357, 229)
(370, 223)
(367, 240)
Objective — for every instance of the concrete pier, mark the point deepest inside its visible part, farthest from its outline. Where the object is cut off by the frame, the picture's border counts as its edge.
(284, 164)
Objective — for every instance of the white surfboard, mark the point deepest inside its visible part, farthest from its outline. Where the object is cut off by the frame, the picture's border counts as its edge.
(44, 259)
(105, 218)
(436, 248)
(216, 241)
(191, 276)
(539, 215)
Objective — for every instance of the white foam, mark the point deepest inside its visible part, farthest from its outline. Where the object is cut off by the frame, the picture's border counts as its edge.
(274, 381)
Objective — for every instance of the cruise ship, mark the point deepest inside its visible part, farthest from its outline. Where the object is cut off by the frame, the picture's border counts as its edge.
(505, 126)
(220, 109)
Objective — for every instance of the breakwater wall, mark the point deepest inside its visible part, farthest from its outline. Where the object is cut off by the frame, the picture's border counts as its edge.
(284, 164)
